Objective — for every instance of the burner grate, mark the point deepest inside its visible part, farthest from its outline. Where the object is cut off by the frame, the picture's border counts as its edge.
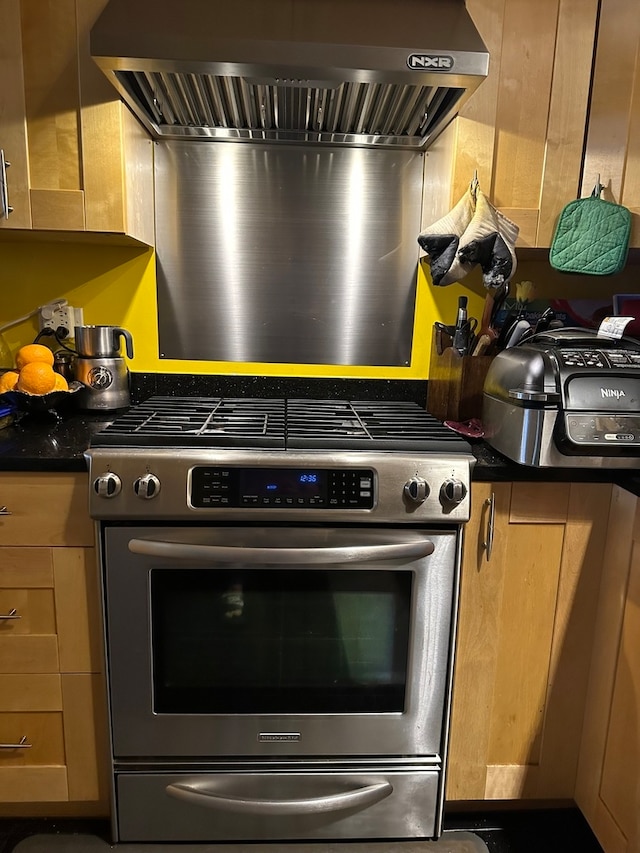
(299, 424)
(199, 421)
(350, 425)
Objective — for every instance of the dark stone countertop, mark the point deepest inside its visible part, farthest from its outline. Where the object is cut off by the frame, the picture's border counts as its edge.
(46, 443)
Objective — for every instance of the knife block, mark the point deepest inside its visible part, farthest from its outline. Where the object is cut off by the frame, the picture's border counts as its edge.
(454, 388)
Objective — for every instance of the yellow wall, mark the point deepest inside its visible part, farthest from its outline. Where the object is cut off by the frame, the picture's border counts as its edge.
(115, 285)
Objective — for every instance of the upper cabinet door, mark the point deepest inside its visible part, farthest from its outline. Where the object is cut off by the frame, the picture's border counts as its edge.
(613, 135)
(79, 161)
(13, 128)
(523, 131)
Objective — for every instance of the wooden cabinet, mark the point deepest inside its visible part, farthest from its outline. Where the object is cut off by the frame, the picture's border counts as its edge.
(524, 639)
(560, 106)
(79, 161)
(608, 783)
(52, 705)
(612, 147)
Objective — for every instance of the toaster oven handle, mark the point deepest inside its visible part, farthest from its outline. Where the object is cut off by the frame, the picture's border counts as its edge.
(406, 551)
(203, 793)
(529, 396)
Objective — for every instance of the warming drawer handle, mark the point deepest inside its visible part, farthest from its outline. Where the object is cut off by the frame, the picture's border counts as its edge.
(283, 556)
(200, 793)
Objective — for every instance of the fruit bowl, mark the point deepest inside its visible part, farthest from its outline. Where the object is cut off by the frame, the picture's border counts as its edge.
(40, 403)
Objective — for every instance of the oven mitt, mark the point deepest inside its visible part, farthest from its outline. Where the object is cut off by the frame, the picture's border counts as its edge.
(490, 241)
(441, 240)
(591, 237)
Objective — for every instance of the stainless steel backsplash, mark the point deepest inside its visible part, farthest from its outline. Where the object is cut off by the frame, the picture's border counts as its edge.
(286, 254)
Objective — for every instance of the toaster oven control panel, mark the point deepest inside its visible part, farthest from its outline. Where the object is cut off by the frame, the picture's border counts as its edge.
(282, 488)
(603, 430)
(599, 359)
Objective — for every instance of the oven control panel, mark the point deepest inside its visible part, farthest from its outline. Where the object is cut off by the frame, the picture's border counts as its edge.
(282, 488)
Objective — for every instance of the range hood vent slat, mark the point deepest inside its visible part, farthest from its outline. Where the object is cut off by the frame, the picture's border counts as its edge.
(223, 74)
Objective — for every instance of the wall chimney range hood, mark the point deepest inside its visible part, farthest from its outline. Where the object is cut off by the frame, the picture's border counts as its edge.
(387, 73)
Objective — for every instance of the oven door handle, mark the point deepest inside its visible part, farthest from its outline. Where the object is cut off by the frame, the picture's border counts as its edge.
(202, 793)
(404, 551)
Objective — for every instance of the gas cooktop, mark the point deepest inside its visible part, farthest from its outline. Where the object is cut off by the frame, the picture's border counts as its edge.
(300, 424)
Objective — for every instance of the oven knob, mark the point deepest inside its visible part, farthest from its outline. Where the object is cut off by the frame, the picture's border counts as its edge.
(107, 485)
(452, 492)
(416, 490)
(147, 487)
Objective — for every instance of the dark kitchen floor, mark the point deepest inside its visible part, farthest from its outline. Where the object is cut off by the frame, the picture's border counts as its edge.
(531, 831)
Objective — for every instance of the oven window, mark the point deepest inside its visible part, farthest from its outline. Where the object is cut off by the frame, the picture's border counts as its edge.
(279, 641)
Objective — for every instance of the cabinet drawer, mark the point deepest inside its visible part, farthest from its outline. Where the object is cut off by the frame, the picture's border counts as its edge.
(29, 653)
(42, 692)
(26, 611)
(45, 509)
(43, 735)
(38, 773)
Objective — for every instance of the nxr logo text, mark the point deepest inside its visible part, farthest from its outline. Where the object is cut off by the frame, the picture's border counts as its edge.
(432, 61)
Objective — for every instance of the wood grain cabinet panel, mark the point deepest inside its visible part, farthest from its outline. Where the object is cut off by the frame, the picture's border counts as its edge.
(51, 688)
(524, 129)
(608, 781)
(524, 638)
(79, 161)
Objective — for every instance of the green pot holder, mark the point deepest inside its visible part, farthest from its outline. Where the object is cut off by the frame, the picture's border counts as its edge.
(592, 236)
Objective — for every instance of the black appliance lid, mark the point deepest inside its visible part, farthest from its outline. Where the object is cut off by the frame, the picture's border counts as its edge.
(300, 424)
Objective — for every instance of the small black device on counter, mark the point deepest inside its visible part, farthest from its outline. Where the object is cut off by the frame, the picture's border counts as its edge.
(566, 398)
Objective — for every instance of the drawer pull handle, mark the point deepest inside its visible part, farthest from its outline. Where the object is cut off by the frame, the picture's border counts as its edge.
(491, 526)
(12, 614)
(22, 745)
(4, 511)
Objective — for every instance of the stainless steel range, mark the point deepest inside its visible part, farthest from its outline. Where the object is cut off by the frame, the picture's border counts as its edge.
(280, 582)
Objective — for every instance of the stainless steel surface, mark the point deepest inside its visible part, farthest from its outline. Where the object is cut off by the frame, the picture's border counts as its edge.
(102, 341)
(293, 70)
(527, 436)
(566, 398)
(148, 814)
(173, 467)
(286, 254)
(106, 384)
(209, 793)
(324, 555)
(138, 732)
(265, 510)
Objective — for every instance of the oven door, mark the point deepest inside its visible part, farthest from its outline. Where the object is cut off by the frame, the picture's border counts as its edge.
(278, 641)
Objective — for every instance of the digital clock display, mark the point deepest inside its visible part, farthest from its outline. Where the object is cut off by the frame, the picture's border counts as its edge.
(281, 482)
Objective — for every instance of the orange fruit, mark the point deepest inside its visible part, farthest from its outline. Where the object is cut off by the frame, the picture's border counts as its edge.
(36, 378)
(8, 380)
(61, 383)
(33, 353)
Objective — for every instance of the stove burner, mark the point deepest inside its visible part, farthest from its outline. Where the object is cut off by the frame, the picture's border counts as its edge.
(302, 424)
